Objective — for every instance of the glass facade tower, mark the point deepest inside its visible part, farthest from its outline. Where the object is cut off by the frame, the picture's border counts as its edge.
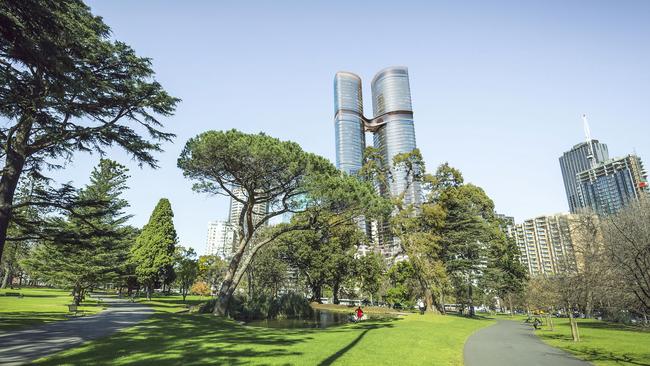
(392, 125)
(391, 104)
(348, 122)
(576, 160)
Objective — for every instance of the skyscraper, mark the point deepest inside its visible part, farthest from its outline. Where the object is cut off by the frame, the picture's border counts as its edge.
(393, 133)
(581, 157)
(392, 125)
(349, 126)
(611, 185)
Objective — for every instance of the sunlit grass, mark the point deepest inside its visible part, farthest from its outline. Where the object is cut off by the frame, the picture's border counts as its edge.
(192, 339)
(601, 343)
(38, 306)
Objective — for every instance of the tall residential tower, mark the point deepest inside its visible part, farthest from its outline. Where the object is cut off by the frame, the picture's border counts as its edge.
(392, 125)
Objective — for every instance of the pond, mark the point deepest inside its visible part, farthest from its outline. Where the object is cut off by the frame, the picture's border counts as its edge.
(320, 319)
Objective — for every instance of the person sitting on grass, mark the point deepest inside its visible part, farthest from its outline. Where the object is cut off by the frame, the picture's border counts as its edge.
(537, 323)
(359, 313)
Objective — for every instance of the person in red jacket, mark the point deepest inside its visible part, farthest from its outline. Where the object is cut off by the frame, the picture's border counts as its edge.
(359, 313)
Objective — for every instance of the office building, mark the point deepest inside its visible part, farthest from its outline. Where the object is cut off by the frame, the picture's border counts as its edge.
(611, 185)
(546, 244)
(581, 157)
(220, 239)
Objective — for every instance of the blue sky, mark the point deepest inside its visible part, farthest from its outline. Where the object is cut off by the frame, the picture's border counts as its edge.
(498, 87)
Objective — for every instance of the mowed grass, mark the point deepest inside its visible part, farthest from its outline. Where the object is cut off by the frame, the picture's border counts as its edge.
(38, 306)
(199, 339)
(601, 343)
(172, 303)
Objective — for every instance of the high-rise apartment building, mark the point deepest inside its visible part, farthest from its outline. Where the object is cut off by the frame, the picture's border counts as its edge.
(611, 185)
(236, 208)
(581, 157)
(546, 244)
(220, 239)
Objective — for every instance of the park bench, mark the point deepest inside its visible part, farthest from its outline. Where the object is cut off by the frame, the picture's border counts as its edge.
(16, 294)
(73, 308)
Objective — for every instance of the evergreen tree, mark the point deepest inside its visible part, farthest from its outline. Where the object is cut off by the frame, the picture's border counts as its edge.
(80, 267)
(65, 86)
(153, 252)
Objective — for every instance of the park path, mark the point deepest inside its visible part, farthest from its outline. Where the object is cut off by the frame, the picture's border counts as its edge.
(23, 346)
(513, 343)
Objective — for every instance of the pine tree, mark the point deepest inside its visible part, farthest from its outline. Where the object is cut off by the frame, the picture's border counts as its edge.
(153, 252)
(66, 262)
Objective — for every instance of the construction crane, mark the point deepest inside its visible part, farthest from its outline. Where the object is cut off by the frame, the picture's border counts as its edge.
(591, 157)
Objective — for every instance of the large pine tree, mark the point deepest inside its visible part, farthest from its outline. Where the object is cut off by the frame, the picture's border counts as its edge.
(83, 265)
(153, 252)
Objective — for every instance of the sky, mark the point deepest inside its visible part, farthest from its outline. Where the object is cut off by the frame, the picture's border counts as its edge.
(498, 87)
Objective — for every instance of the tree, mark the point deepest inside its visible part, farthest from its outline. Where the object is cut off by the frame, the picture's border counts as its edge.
(369, 272)
(66, 86)
(186, 268)
(200, 288)
(268, 272)
(270, 172)
(627, 243)
(404, 287)
(211, 270)
(324, 254)
(65, 262)
(153, 252)
(505, 275)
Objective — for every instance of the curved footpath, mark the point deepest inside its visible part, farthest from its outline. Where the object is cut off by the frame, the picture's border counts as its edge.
(23, 346)
(513, 343)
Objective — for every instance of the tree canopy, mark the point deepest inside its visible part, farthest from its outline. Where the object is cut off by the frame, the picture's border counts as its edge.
(67, 86)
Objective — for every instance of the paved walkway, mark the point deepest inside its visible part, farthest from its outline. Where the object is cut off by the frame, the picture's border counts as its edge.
(23, 346)
(513, 343)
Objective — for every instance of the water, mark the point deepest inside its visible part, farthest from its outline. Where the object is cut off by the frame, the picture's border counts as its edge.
(320, 319)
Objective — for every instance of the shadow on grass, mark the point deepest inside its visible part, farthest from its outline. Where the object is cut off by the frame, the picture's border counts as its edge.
(374, 324)
(171, 339)
(594, 354)
(597, 324)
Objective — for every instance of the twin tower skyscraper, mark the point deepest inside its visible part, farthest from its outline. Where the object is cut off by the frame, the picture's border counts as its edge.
(392, 125)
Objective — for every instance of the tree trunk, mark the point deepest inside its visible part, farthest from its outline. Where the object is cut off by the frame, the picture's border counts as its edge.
(470, 300)
(14, 164)
(335, 293)
(510, 305)
(6, 279)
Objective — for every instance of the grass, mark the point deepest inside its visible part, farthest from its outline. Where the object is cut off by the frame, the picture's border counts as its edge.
(173, 303)
(602, 343)
(197, 339)
(38, 306)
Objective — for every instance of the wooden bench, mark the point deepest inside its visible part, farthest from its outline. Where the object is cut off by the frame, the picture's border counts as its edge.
(16, 294)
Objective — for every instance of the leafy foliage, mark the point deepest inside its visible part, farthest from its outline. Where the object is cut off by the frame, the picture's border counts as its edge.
(66, 86)
(68, 264)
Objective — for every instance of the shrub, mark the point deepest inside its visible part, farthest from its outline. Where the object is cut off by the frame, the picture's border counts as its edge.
(290, 305)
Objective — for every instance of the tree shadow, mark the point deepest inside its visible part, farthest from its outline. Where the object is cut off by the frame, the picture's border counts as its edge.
(594, 354)
(378, 323)
(172, 339)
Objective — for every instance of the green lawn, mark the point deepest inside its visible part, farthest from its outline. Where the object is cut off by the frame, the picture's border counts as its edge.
(601, 343)
(38, 306)
(172, 303)
(173, 339)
